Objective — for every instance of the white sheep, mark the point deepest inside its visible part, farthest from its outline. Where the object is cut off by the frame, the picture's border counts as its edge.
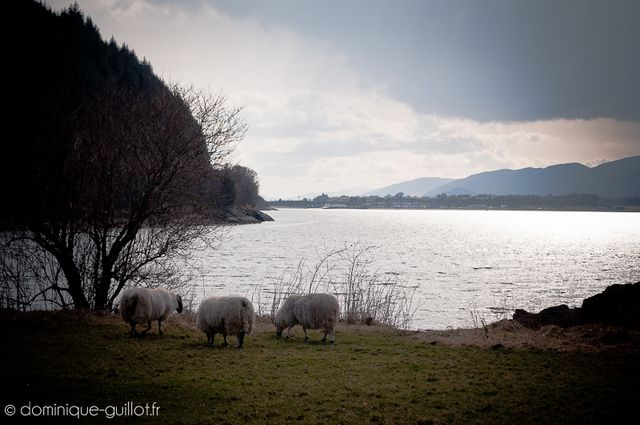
(313, 311)
(143, 305)
(231, 315)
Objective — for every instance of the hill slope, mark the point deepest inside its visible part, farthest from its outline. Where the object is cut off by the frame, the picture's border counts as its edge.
(613, 179)
(417, 187)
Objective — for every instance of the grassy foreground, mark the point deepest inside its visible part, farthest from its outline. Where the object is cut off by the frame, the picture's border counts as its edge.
(371, 375)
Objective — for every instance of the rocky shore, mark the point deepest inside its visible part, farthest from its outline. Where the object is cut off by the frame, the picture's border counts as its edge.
(605, 322)
(244, 216)
(617, 305)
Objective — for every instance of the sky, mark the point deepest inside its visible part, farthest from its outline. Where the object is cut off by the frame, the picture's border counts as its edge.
(352, 95)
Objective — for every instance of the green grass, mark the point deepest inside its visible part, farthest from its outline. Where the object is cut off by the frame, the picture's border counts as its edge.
(368, 376)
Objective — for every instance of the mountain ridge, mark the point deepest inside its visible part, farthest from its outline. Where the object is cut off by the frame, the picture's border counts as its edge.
(415, 187)
(618, 178)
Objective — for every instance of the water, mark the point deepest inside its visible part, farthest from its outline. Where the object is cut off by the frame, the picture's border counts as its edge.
(462, 263)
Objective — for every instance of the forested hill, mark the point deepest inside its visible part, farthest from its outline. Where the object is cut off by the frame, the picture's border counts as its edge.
(75, 100)
(66, 49)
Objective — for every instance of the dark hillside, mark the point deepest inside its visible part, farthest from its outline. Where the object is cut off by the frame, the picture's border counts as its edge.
(615, 179)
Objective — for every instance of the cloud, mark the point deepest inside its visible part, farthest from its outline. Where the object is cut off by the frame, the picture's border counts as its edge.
(490, 60)
(318, 123)
(370, 140)
(195, 43)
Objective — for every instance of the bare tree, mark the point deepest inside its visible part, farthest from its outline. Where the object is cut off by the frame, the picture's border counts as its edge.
(129, 190)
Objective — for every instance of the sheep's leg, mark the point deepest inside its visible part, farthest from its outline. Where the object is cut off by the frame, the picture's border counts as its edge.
(288, 332)
(133, 329)
(210, 339)
(306, 337)
(240, 339)
(159, 328)
(330, 332)
(144, 332)
(225, 343)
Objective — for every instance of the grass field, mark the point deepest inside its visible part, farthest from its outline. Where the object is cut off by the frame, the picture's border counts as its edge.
(371, 375)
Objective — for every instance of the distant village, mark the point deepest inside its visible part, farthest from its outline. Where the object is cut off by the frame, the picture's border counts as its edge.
(579, 202)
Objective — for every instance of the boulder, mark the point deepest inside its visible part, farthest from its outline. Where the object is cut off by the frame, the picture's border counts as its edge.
(525, 318)
(617, 305)
(560, 315)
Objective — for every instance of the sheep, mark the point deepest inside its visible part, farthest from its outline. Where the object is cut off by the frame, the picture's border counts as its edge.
(143, 305)
(232, 315)
(313, 311)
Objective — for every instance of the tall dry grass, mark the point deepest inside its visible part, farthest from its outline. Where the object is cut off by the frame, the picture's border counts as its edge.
(365, 294)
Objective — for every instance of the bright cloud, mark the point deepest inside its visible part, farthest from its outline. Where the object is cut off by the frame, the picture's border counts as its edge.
(316, 124)
(338, 142)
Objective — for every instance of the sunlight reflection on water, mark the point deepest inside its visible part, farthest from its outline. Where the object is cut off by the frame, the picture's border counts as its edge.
(461, 261)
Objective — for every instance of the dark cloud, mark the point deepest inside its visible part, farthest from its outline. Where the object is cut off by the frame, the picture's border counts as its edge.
(489, 60)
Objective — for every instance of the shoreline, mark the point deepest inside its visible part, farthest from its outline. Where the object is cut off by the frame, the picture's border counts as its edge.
(502, 334)
(625, 210)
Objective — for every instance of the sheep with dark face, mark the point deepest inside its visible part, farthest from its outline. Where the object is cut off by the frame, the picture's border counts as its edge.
(313, 311)
(231, 315)
(143, 305)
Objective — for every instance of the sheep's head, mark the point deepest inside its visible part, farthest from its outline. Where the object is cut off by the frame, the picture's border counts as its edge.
(280, 323)
(179, 309)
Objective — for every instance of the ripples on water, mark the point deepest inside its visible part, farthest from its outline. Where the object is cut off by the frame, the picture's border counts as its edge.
(487, 262)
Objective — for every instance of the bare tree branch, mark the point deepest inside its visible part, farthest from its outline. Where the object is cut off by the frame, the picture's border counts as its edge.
(134, 193)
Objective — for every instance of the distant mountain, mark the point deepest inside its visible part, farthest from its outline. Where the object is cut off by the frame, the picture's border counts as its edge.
(612, 179)
(354, 191)
(417, 187)
(609, 180)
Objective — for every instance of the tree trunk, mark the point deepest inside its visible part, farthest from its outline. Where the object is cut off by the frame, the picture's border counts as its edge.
(102, 290)
(74, 282)
(64, 256)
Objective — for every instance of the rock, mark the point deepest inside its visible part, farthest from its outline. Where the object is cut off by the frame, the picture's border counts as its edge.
(260, 216)
(617, 305)
(525, 318)
(244, 216)
(560, 315)
(231, 219)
